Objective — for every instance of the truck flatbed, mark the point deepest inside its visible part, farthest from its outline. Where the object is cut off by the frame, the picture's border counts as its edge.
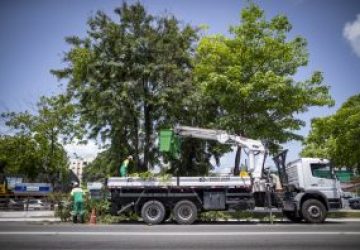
(118, 182)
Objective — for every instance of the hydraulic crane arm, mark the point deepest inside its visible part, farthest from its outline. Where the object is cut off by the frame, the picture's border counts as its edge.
(254, 147)
(221, 136)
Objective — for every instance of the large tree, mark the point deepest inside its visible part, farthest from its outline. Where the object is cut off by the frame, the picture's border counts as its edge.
(34, 147)
(20, 156)
(247, 79)
(128, 77)
(337, 137)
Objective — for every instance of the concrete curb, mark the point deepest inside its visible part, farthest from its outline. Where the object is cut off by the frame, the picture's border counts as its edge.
(343, 219)
(55, 219)
(31, 219)
(19, 214)
(28, 216)
(286, 220)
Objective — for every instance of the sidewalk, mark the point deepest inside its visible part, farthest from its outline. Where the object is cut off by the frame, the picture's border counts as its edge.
(28, 216)
(48, 216)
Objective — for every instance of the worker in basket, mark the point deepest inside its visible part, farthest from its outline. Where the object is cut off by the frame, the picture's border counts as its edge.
(77, 195)
(124, 166)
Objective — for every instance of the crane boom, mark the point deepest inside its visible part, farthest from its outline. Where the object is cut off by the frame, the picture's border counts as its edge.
(254, 147)
(221, 136)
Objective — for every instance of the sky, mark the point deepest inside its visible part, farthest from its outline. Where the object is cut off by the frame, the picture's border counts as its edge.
(32, 42)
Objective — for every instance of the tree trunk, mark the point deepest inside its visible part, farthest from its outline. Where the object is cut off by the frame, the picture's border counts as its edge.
(148, 133)
(50, 167)
(137, 162)
(147, 126)
(237, 161)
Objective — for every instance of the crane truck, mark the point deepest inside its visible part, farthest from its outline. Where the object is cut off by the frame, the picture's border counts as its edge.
(304, 195)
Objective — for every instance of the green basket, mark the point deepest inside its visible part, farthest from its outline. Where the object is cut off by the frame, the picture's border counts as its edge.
(169, 143)
(166, 137)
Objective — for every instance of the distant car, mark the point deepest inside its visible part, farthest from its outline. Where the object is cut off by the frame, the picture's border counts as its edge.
(62, 204)
(354, 203)
(35, 204)
(347, 195)
(15, 204)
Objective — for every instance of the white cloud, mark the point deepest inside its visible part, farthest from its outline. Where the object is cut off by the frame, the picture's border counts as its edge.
(88, 151)
(352, 33)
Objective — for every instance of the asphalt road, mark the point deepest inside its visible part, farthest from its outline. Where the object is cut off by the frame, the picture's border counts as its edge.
(335, 235)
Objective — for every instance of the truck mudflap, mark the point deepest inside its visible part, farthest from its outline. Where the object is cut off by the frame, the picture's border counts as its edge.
(289, 205)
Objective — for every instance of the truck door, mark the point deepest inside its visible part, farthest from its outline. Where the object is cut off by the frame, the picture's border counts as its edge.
(321, 178)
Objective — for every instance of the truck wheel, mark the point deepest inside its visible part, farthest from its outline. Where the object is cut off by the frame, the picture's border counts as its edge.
(313, 211)
(185, 212)
(153, 212)
(292, 216)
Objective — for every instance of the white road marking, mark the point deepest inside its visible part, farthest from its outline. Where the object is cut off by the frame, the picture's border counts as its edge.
(181, 233)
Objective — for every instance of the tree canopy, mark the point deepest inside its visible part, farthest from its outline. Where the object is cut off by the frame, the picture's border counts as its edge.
(34, 149)
(136, 73)
(248, 78)
(337, 137)
(129, 77)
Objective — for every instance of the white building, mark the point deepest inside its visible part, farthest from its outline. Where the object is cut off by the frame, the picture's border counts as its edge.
(77, 166)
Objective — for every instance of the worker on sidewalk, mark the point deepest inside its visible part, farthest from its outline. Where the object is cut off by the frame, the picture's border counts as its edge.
(124, 166)
(77, 195)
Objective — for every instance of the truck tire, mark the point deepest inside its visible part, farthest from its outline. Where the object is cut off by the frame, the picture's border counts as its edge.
(185, 212)
(153, 212)
(313, 211)
(292, 216)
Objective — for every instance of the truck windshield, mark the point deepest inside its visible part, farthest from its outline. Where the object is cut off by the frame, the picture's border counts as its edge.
(321, 170)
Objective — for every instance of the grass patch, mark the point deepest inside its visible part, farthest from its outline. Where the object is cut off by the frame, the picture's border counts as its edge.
(344, 214)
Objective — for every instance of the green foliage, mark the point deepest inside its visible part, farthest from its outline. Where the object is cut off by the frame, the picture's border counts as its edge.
(138, 73)
(336, 137)
(164, 177)
(247, 80)
(63, 211)
(242, 215)
(344, 214)
(269, 218)
(101, 206)
(80, 58)
(130, 77)
(320, 142)
(144, 175)
(17, 154)
(214, 216)
(109, 219)
(100, 168)
(62, 205)
(34, 146)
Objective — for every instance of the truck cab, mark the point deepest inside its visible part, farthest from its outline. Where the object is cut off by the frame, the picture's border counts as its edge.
(311, 190)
